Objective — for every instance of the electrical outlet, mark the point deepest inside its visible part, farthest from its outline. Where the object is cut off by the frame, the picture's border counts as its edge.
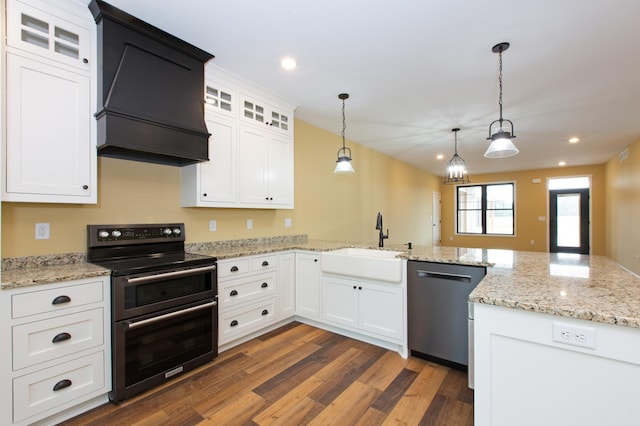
(249, 223)
(574, 335)
(212, 225)
(42, 231)
(287, 222)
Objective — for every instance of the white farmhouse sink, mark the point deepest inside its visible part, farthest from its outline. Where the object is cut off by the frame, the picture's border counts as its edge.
(370, 264)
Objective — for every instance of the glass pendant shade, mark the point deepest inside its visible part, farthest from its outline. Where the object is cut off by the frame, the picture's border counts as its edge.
(344, 162)
(501, 145)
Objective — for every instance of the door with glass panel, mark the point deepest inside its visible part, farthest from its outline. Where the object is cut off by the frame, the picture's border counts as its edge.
(569, 221)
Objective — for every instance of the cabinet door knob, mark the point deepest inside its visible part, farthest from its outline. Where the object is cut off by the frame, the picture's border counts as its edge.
(85, 60)
(354, 287)
(62, 384)
(60, 337)
(265, 312)
(233, 323)
(204, 195)
(264, 285)
(315, 260)
(234, 269)
(85, 187)
(60, 300)
(359, 288)
(233, 293)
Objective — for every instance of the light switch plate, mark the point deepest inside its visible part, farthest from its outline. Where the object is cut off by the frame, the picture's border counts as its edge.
(212, 225)
(249, 223)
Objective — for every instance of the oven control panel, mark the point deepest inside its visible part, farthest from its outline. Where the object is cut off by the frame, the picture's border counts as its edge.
(132, 234)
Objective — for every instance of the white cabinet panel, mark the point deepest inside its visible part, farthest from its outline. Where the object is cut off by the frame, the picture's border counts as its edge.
(364, 306)
(48, 145)
(308, 288)
(213, 183)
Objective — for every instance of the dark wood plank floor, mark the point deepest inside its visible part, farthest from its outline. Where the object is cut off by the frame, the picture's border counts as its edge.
(299, 375)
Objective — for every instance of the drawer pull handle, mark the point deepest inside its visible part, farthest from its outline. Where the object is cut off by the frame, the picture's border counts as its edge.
(60, 337)
(234, 323)
(234, 269)
(62, 384)
(60, 300)
(264, 285)
(265, 263)
(233, 293)
(265, 312)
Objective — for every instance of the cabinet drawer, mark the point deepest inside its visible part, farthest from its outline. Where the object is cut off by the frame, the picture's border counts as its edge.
(241, 290)
(239, 322)
(229, 268)
(264, 263)
(41, 341)
(34, 393)
(55, 299)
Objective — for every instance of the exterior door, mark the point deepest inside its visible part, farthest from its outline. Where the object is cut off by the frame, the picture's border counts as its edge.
(569, 221)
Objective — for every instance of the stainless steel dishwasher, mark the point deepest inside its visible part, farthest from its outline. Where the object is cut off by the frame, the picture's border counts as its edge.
(437, 305)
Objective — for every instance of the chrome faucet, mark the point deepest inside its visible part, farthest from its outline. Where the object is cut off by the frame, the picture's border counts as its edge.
(381, 236)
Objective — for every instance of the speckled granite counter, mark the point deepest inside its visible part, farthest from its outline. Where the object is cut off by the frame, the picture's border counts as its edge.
(34, 270)
(593, 288)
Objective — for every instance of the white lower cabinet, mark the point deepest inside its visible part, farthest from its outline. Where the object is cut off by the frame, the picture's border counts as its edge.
(367, 307)
(308, 285)
(254, 292)
(60, 353)
(528, 372)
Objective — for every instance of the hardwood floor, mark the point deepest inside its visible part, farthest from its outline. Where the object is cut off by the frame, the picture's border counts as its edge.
(299, 375)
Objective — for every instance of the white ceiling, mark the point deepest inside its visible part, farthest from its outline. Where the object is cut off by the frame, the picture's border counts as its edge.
(415, 69)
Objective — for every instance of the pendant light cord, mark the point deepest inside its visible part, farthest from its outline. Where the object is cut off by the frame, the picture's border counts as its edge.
(500, 84)
(344, 124)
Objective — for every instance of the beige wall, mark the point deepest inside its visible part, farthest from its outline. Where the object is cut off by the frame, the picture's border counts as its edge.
(531, 202)
(327, 206)
(623, 209)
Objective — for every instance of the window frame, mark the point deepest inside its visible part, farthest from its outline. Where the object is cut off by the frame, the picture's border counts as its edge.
(483, 209)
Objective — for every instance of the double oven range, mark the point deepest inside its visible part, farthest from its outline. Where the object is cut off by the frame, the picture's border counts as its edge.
(163, 303)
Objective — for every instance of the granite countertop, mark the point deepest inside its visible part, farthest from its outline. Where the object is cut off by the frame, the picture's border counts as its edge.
(27, 273)
(593, 288)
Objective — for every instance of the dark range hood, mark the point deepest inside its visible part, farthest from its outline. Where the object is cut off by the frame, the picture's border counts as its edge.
(150, 92)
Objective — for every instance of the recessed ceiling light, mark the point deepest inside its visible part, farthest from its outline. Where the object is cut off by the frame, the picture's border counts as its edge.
(440, 156)
(288, 63)
(562, 163)
(574, 140)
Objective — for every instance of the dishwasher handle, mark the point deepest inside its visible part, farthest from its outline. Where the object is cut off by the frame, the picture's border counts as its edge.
(446, 275)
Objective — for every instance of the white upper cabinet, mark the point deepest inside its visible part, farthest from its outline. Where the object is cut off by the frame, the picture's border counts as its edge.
(264, 115)
(49, 33)
(50, 153)
(250, 149)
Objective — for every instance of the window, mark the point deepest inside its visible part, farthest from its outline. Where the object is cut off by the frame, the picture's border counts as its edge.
(485, 209)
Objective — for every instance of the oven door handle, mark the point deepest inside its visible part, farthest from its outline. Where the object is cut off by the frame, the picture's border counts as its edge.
(173, 274)
(132, 325)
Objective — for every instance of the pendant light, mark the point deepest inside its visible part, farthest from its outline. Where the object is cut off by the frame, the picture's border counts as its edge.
(501, 131)
(456, 168)
(344, 153)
